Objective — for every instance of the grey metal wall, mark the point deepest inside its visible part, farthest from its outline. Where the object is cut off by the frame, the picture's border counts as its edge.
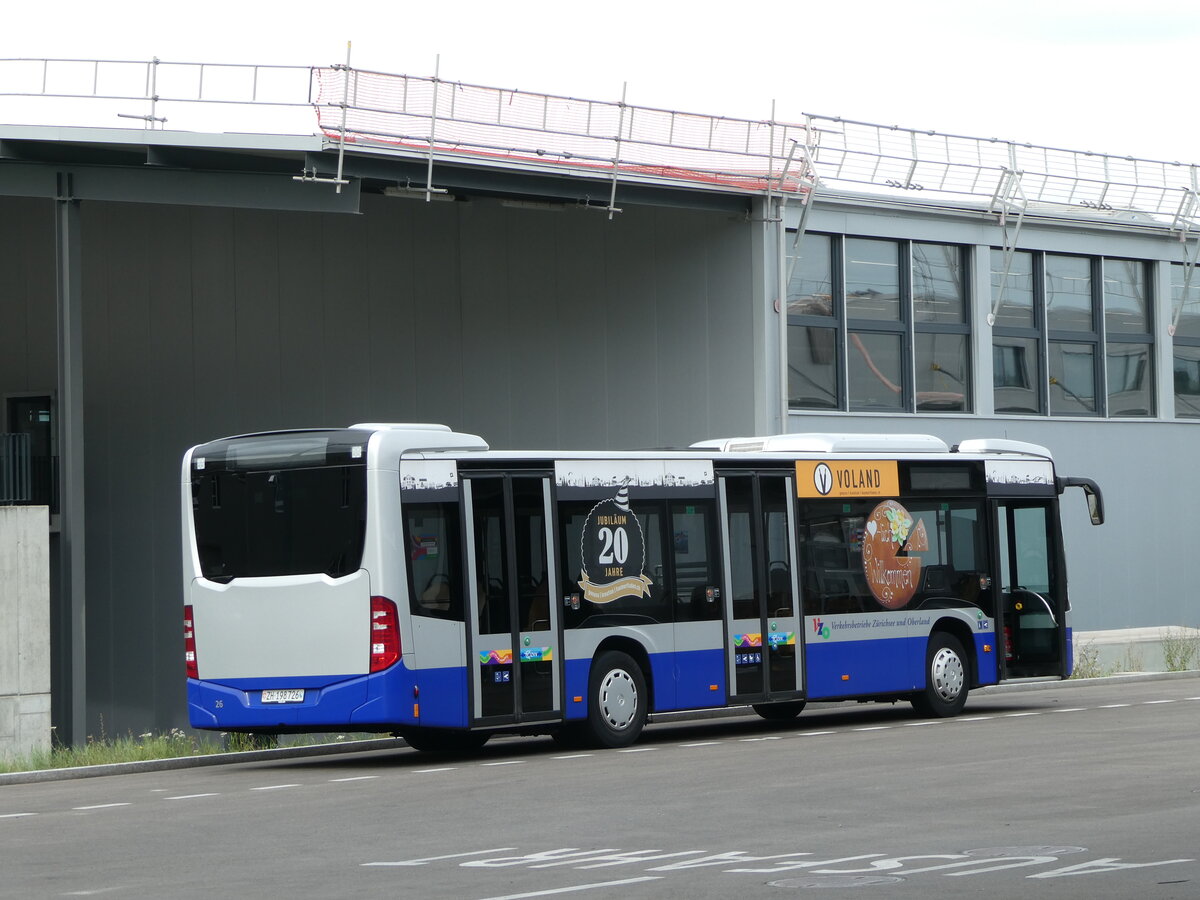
(528, 326)
(531, 327)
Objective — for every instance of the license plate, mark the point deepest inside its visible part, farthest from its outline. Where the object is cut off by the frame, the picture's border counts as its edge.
(295, 695)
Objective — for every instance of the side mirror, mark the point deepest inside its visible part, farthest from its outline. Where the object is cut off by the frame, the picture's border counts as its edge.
(1091, 490)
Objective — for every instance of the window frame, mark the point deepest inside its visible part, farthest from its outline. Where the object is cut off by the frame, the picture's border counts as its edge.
(844, 326)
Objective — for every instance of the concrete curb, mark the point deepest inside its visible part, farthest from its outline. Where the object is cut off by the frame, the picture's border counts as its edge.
(218, 759)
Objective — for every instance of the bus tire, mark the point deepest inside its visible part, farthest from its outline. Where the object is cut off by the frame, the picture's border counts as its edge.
(946, 678)
(779, 712)
(616, 700)
(436, 740)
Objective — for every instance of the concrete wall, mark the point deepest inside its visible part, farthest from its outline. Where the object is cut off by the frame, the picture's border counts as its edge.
(24, 629)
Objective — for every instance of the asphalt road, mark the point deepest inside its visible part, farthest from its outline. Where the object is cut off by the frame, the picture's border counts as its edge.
(1077, 791)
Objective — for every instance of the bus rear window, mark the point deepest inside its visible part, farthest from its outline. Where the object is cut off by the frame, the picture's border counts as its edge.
(265, 508)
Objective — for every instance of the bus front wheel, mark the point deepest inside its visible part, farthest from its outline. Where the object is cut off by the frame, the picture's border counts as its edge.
(616, 700)
(946, 678)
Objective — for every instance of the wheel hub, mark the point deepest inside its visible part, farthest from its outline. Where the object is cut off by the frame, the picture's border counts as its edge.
(618, 699)
(947, 673)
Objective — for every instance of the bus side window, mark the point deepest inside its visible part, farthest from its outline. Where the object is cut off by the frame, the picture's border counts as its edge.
(697, 597)
(435, 581)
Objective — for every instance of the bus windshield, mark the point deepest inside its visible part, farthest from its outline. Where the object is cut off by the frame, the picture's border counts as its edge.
(285, 505)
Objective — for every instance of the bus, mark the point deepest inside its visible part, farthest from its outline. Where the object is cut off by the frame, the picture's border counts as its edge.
(406, 579)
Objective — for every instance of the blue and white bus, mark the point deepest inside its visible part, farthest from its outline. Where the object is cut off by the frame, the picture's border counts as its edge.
(406, 579)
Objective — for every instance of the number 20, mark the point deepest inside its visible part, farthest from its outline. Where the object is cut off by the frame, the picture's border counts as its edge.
(616, 546)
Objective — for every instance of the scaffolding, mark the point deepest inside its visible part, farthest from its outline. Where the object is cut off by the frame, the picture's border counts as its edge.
(439, 120)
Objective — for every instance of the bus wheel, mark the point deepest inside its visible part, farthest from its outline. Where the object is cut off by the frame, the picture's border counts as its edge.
(617, 700)
(436, 740)
(946, 684)
(779, 712)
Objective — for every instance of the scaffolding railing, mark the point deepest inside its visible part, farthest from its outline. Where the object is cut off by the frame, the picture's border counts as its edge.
(438, 118)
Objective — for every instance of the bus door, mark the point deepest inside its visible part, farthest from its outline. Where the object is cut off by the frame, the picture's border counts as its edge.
(1032, 608)
(514, 654)
(759, 549)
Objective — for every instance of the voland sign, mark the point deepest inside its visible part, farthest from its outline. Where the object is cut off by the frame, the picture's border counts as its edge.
(847, 478)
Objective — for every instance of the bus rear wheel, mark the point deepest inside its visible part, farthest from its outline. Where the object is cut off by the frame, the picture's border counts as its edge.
(616, 700)
(946, 678)
(779, 712)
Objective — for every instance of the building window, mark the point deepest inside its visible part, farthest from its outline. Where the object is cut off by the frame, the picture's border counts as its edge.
(1056, 318)
(1128, 338)
(878, 326)
(1186, 320)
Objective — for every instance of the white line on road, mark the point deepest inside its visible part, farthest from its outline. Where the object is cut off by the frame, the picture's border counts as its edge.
(814, 733)
(1070, 709)
(1019, 715)
(355, 778)
(976, 718)
(190, 796)
(274, 787)
(633, 750)
(873, 728)
(505, 762)
(428, 771)
(102, 806)
(574, 756)
(1153, 702)
(1114, 706)
(701, 744)
(428, 859)
(578, 887)
(16, 815)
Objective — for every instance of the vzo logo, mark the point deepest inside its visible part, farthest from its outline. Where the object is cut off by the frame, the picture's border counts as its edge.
(821, 628)
(823, 479)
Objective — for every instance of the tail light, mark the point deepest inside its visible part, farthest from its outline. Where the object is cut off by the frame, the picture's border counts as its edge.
(1008, 643)
(385, 634)
(189, 643)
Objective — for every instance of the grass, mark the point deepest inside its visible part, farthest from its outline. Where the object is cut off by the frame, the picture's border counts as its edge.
(1087, 661)
(174, 744)
(1181, 649)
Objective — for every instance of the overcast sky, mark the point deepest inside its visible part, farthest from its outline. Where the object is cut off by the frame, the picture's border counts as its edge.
(1104, 76)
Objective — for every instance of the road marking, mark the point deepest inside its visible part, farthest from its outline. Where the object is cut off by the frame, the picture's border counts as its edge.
(355, 778)
(575, 756)
(1153, 702)
(16, 815)
(772, 737)
(442, 769)
(814, 733)
(428, 859)
(1070, 709)
(873, 728)
(1114, 705)
(190, 796)
(1019, 715)
(976, 718)
(274, 787)
(102, 806)
(505, 762)
(578, 887)
(630, 750)
(701, 744)
(920, 724)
